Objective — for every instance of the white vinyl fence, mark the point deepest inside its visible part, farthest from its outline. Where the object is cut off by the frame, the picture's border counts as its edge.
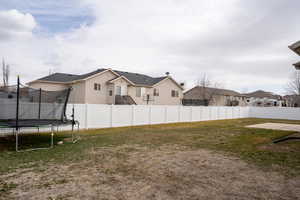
(275, 113)
(104, 116)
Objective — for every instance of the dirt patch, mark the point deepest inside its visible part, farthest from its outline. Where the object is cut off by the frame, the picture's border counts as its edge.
(133, 172)
(277, 126)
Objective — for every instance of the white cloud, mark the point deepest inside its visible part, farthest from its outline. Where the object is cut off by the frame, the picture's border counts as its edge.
(14, 23)
(241, 44)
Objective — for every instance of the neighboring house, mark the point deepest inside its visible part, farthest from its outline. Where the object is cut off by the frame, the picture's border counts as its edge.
(296, 48)
(107, 86)
(264, 99)
(213, 97)
(292, 100)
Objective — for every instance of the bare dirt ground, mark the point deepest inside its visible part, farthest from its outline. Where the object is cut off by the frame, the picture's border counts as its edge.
(137, 173)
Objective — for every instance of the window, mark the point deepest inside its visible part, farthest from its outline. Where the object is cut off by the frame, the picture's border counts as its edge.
(110, 92)
(118, 90)
(174, 93)
(97, 86)
(138, 92)
(155, 92)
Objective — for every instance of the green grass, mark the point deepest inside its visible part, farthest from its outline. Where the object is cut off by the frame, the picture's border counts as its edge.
(224, 136)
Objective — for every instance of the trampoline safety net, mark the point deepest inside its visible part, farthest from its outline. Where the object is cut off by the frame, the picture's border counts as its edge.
(22, 106)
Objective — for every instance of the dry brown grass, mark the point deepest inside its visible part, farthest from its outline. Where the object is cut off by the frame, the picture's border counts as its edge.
(137, 173)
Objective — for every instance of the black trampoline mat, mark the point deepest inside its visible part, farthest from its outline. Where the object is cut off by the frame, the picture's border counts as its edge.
(32, 123)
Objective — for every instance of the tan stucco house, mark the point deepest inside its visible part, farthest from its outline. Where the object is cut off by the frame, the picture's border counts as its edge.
(107, 86)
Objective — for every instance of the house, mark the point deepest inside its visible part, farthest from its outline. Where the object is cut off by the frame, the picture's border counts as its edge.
(107, 86)
(264, 99)
(296, 48)
(212, 97)
(292, 100)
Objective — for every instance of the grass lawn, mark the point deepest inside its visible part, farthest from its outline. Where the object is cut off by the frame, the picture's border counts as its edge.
(222, 137)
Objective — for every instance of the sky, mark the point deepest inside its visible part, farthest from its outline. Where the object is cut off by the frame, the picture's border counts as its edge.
(240, 44)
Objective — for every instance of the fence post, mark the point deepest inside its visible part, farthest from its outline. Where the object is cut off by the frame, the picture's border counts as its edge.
(179, 113)
(111, 115)
(166, 113)
(200, 113)
(86, 116)
(149, 116)
(132, 115)
(191, 114)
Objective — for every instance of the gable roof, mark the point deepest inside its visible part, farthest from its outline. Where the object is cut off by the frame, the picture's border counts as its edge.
(297, 65)
(120, 77)
(140, 79)
(295, 47)
(135, 78)
(199, 91)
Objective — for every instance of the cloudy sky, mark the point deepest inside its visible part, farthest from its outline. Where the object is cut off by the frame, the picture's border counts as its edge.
(239, 43)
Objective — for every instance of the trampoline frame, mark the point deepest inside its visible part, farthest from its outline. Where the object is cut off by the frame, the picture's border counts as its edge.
(16, 127)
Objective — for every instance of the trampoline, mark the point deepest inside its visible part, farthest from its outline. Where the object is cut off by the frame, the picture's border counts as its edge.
(23, 107)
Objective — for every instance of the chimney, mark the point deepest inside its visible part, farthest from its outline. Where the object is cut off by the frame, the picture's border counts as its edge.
(182, 85)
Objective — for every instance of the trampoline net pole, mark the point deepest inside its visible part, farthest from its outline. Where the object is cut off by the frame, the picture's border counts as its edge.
(17, 140)
(40, 100)
(18, 102)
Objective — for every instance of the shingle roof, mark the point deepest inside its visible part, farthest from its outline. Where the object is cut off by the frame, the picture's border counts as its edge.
(295, 47)
(60, 77)
(138, 79)
(297, 65)
(199, 91)
(263, 94)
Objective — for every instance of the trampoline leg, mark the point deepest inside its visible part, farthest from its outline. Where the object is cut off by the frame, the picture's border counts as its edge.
(73, 137)
(17, 140)
(52, 134)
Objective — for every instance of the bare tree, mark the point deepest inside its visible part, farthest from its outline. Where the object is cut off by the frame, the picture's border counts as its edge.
(208, 89)
(5, 73)
(293, 90)
(293, 86)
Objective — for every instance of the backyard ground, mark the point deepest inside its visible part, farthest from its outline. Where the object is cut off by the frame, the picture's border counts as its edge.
(205, 160)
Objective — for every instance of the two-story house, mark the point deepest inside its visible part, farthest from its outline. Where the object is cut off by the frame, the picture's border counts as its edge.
(107, 86)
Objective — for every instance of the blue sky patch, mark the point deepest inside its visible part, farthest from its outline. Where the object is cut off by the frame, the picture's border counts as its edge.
(53, 16)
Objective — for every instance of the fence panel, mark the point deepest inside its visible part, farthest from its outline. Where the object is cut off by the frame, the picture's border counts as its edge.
(98, 116)
(222, 114)
(141, 114)
(196, 113)
(121, 115)
(172, 114)
(205, 113)
(103, 116)
(158, 114)
(185, 113)
(275, 113)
